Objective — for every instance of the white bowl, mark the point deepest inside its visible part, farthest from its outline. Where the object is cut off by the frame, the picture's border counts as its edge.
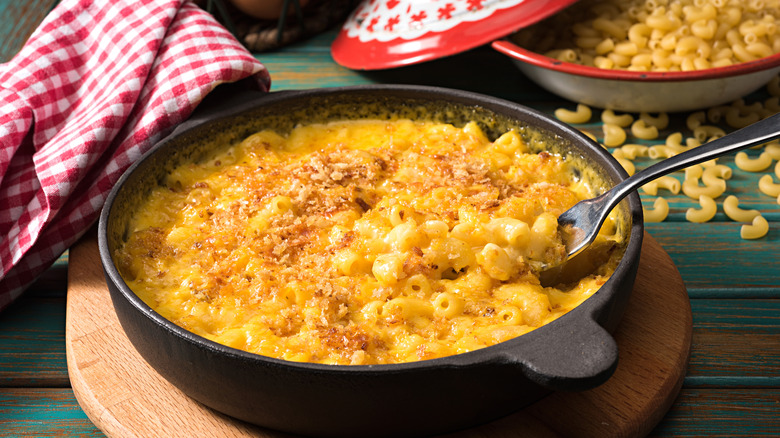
(633, 91)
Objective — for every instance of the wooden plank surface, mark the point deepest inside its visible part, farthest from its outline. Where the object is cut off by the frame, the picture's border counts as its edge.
(731, 388)
(751, 412)
(19, 20)
(712, 255)
(32, 341)
(699, 412)
(735, 343)
(43, 412)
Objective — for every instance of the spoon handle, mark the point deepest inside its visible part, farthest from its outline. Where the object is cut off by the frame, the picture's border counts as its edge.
(757, 133)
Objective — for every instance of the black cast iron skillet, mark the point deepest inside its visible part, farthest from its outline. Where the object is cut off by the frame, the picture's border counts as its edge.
(574, 352)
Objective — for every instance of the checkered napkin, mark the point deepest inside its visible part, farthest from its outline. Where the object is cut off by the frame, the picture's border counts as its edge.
(97, 84)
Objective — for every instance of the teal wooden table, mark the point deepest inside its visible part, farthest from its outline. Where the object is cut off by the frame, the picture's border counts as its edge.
(732, 386)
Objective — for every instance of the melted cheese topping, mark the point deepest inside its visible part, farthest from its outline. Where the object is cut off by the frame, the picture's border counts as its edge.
(360, 242)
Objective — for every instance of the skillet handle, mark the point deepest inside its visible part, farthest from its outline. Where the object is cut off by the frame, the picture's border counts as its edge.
(580, 355)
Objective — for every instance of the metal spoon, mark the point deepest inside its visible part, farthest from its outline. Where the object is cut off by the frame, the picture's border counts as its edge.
(581, 223)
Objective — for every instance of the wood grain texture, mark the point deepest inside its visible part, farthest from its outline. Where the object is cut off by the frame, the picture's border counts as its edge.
(712, 255)
(711, 412)
(735, 342)
(32, 341)
(723, 413)
(311, 66)
(20, 18)
(731, 388)
(125, 397)
(43, 412)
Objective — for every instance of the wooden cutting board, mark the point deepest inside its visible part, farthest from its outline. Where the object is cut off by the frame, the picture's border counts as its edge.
(125, 397)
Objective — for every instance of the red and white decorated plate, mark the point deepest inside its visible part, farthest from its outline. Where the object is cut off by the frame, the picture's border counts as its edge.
(392, 33)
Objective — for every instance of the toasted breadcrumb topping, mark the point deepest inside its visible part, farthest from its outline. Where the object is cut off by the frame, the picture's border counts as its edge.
(358, 242)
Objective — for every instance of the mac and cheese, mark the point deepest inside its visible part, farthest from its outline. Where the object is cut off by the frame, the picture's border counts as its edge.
(361, 242)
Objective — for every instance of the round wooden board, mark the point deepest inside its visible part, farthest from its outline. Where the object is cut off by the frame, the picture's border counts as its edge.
(125, 397)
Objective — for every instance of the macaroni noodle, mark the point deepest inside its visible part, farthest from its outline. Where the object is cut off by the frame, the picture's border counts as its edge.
(614, 135)
(732, 210)
(581, 115)
(667, 182)
(674, 141)
(694, 172)
(744, 162)
(661, 121)
(661, 151)
(757, 229)
(712, 174)
(631, 151)
(773, 149)
(768, 187)
(705, 213)
(622, 120)
(692, 189)
(641, 129)
(695, 119)
(659, 211)
(624, 162)
(705, 133)
(737, 118)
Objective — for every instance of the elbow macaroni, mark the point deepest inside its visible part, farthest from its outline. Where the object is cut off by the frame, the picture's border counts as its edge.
(660, 121)
(692, 189)
(744, 162)
(641, 129)
(705, 213)
(622, 120)
(667, 182)
(581, 115)
(768, 187)
(632, 151)
(757, 229)
(732, 210)
(715, 175)
(614, 135)
(627, 165)
(773, 149)
(659, 211)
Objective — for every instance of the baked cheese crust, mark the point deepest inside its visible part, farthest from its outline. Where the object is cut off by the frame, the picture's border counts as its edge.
(360, 242)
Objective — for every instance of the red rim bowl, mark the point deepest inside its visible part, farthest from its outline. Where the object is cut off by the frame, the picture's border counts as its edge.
(634, 91)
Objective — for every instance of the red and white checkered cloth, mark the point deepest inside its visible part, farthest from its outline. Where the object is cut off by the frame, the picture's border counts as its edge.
(97, 84)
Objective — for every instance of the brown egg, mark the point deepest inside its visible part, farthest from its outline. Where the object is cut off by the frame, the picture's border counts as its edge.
(264, 9)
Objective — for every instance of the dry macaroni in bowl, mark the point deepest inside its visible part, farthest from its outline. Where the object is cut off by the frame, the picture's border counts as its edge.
(361, 242)
(658, 35)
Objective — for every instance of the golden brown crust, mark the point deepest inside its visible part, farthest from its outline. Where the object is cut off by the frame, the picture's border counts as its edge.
(348, 251)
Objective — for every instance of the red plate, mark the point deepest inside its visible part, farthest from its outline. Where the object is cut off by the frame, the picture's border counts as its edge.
(392, 33)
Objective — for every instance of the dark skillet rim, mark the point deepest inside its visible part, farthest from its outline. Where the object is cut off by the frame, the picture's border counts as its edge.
(497, 353)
